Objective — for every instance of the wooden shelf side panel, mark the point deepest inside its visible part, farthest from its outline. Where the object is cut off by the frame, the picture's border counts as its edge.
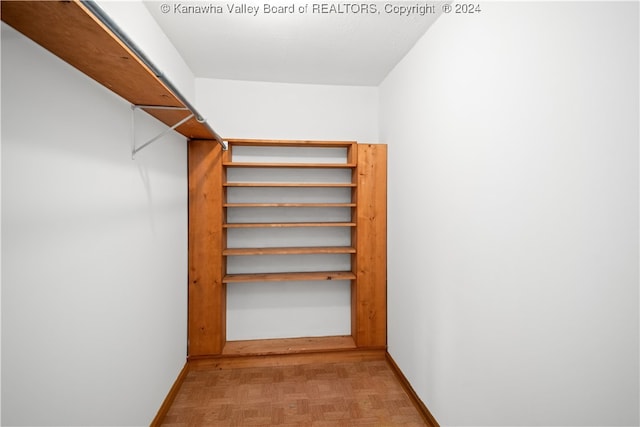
(369, 296)
(207, 291)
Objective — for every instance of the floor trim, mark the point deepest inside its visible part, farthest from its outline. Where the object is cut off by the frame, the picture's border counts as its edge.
(168, 401)
(419, 404)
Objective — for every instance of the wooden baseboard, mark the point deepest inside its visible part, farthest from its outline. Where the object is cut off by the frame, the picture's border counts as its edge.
(166, 404)
(419, 404)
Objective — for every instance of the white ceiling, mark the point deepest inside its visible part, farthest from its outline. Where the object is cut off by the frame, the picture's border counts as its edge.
(340, 49)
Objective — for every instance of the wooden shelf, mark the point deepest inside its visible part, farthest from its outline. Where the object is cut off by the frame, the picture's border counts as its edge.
(287, 224)
(289, 250)
(290, 184)
(290, 143)
(288, 277)
(288, 346)
(289, 165)
(289, 205)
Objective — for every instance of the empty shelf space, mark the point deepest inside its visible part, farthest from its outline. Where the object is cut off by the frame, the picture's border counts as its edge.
(279, 277)
(288, 165)
(289, 250)
(289, 184)
(288, 345)
(288, 224)
(289, 205)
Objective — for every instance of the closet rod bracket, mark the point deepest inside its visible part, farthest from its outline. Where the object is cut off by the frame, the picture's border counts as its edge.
(134, 149)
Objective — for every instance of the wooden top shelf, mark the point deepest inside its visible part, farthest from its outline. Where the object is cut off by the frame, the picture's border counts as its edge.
(288, 165)
(289, 184)
(282, 277)
(290, 250)
(69, 30)
(289, 143)
(287, 224)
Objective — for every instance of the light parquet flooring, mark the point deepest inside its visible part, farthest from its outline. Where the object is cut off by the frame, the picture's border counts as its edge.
(363, 393)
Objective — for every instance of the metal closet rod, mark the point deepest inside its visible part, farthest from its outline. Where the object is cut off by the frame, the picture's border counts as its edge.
(117, 31)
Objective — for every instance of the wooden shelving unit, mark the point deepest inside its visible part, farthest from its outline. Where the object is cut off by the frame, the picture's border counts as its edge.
(292, 188)
(360, 179)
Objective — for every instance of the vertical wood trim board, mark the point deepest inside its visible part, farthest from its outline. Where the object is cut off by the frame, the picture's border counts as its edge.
(369, 293)
(207, 292)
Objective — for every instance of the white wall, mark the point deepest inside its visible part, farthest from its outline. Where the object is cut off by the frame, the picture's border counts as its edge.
(289, 111)
(513, 214)
(94, 250)
(241, 109)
